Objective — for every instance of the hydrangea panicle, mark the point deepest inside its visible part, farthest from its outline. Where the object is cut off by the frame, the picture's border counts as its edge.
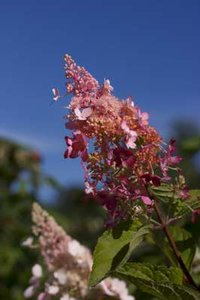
(121, 153)
(67, 265)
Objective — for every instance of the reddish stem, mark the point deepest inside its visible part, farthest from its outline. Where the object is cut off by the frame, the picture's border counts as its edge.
(174, 248)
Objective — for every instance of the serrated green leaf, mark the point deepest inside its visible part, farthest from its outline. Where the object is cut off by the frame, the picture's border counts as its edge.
(114, 248)
(166, 291)
(159, 281)
(163, 193)
(183, 207)
(166, 192)
(187, 293)
(150, 272)
(178, 207)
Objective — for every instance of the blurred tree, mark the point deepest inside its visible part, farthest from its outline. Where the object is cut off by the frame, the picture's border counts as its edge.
(20, 181)
(187, 136)
(83, 218)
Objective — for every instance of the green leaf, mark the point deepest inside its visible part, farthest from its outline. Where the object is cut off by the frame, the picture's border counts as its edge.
(150, 272)
(177, 207)
(184, 243)
(183, 207)
(159, 281)
(163, 193)
(114, 248)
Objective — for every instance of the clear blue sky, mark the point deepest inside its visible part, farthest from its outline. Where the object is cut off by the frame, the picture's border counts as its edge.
(149, 49)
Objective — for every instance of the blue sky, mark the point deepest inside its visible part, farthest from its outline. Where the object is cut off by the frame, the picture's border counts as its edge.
(149, 49)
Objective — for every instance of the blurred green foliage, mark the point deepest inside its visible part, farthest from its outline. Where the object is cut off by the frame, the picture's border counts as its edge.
(19, 183)
(187, 136)
(79, 215)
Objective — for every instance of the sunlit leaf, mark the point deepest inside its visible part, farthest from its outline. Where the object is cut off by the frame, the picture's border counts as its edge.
(114, 248)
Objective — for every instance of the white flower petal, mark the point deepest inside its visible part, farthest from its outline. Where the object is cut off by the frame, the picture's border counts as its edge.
(37, 271)
(29, 292)
(28, 242)
(67, 297)
(75, 248)
(61, 276)
(53, 289)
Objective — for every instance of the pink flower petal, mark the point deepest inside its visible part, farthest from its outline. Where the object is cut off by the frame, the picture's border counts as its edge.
(125, 127)
(29, 292)
(146, 200)
(86, 112)
(131, 143)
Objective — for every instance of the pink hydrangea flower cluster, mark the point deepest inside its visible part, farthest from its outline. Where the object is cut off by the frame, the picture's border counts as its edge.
(67, 265)
(121, 153)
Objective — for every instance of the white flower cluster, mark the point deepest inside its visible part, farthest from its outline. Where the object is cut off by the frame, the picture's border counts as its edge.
(68, 265)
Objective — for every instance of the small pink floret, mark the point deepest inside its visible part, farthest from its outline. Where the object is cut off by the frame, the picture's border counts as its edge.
(146, 200)
(84, 114)
(131, 135)
(143, 118)
(77, 146)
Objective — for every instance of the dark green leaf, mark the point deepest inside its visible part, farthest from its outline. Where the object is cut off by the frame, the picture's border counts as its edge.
(150, 272)
(163, 193)
(159, 281)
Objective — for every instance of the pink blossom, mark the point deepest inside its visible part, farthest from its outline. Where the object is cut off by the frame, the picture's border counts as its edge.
(79, 81)
(143, 117)
(169, 159)
(184, 192)
(29, 292)
(84, 114)
(43, 296)
(89, 188)
(131, 135)
(154, 179)
(126, 154)
(123, 157)
(109, 201)
(107, 87)
(174, 160)
(146, 200)
(76, 146)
